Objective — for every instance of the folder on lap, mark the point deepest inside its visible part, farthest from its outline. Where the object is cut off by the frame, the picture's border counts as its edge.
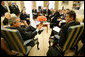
(57, 29)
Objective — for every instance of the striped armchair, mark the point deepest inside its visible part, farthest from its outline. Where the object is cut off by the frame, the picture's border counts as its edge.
(73, 37)
(15, 40)
(74, 33)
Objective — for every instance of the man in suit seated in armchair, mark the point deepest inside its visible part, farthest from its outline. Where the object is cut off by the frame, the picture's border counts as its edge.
(70, 21)
(27, 32)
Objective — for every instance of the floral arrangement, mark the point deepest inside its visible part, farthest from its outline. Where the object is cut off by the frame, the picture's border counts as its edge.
(41, 18)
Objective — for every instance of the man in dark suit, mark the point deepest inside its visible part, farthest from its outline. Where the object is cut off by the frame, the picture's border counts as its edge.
(11, 8)
(7, 17)
(27, 33)
(53, 19)
(70, 21)
(34, 10)
(24, 16)
(48, 12)
(34, 13)
(3, 8)
(16, 9)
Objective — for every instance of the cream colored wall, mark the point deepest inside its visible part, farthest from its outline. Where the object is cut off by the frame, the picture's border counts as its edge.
(22, 4)
(33, 4)
(69, 6)
(56, 5)
(45, 3)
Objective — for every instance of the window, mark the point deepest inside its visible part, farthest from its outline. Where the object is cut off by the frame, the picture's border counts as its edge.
(51, 4)
(28, 6)
(39, 3)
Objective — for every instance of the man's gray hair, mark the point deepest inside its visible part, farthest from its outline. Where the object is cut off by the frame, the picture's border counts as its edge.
(12, 20)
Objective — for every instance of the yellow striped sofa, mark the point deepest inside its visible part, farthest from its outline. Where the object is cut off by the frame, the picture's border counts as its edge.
(15, 41)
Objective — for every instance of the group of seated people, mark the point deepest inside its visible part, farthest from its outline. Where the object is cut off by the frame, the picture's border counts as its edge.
(42, 11)
(26, 31)
(52, 15)
(29, 32)
(20, 22)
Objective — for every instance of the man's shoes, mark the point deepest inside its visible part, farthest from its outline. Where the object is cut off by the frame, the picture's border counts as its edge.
(40, 31)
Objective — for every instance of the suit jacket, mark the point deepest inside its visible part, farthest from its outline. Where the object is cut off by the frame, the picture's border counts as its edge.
(11, 9)
(41, 11)
(3, 10)
(26, 33)
(49, 12)
(24, 16)
(34, 10)
(56, 16)
(44, 11)
(5, 21)
(63, 31)
(16, 9)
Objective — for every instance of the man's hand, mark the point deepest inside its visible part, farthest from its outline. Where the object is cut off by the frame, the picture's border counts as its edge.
(59, 24)
(25, 23)
(28, 18)
(39, 27)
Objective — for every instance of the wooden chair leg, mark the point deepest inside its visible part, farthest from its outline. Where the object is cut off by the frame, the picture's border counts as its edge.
(47, 28)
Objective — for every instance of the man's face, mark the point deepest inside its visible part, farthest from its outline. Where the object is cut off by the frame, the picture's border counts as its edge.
(64, 11)
(3, 3)
(15, 3)
(10, 3)
(68, 19)
(8, 16)
(18, 23)
(24, 12)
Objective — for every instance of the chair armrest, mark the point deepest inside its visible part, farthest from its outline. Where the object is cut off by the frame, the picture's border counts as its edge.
(27, 41)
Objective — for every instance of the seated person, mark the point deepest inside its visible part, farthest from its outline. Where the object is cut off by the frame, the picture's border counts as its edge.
(7, 17)
(54, 18)
(26, 33)
(28, 22)
(70, 21)
(24, 16)
(62, 22)
(34, 10)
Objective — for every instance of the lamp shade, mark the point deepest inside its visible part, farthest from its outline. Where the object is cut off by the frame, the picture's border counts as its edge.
(41, 18)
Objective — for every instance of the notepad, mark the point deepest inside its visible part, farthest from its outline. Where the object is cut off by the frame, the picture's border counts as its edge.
(57, 29)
